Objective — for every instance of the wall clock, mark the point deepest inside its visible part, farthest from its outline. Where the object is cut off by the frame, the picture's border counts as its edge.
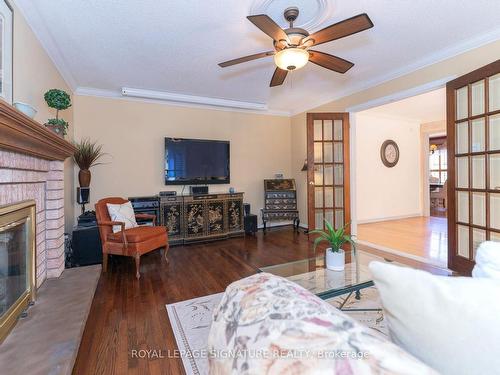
(389, 153)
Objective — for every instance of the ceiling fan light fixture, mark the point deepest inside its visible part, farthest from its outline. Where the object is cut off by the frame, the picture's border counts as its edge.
(291, 58)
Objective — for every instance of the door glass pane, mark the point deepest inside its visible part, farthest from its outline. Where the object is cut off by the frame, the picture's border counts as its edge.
(494, 92)
(463, 241)
(478, 138)
(477, 94)
(318, 197)
(328, 175)
(478, 172)
(329, 216)
(478, 237)
(318, 130)
(479, 209)
(494, 132)
(495, 211)
(318, 175)
(339, 219)
(318, 219)
(328, 147)
(494, 236)
(337, 152)
(339, 197)
(329, 197)
(495, 171)
(463, 206)
(318, 152)
(328, 130)
(339, 174)
(462, 138)
(462, 172)
(337, 130)
(461, 103)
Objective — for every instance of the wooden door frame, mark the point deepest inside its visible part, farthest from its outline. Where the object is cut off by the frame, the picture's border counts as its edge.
(344, 116)
(465, 80)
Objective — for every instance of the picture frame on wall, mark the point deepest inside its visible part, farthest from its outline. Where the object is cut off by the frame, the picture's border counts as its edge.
(6, 45)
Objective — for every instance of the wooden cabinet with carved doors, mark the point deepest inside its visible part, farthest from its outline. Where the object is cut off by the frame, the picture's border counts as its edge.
(192, 218)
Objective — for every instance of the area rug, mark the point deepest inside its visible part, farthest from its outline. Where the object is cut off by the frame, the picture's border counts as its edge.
(190, 321)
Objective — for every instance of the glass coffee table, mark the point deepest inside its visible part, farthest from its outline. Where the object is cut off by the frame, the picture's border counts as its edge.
(313, 275)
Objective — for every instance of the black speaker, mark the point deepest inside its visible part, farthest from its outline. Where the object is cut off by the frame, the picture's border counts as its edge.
(86, 246)
(82, 195)
(246, 208)
(198, 190)
(250, 223)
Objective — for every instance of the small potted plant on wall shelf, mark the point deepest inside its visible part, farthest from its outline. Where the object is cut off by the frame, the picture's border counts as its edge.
(86, 156)
(59, 100)
(334, 255)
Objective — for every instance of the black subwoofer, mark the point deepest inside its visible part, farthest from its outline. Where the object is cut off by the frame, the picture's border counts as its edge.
(250, 224)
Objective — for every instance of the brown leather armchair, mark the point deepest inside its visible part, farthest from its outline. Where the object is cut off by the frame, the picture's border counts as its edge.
(132, 242)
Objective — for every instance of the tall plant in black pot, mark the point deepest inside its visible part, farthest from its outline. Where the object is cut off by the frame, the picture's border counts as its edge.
(86, 156)
(59, 100)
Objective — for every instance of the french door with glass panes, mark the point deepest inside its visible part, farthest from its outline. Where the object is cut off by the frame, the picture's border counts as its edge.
(473, 117)
(328, 169)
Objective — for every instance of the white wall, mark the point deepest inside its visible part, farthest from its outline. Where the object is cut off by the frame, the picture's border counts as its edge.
(385, 193)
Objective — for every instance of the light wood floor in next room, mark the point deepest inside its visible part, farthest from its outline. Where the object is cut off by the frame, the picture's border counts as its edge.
(424, 237)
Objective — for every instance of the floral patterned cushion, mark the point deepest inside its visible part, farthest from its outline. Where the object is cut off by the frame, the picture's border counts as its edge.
(268, 325)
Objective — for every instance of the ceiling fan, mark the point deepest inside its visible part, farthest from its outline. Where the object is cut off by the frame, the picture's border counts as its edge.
(292, 46)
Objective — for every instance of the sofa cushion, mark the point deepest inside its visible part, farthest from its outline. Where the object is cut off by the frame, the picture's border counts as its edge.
(138, 234)
(266, 324)
(450, 323)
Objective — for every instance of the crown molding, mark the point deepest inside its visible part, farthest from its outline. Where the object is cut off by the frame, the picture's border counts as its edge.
(181, 100)
(42, 34)
(445, 54)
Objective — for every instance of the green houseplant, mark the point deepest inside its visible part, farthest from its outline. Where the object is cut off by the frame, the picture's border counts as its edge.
(86, 156)
(334, 255)
(59, 100)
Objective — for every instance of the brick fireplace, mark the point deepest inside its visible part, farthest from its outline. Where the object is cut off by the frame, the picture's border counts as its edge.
(32, 167)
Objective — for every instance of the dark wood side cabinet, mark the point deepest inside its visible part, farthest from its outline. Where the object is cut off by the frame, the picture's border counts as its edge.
(191, 218)
(280, 198)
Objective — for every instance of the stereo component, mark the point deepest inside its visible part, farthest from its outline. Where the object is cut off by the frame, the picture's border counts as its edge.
(198, 190)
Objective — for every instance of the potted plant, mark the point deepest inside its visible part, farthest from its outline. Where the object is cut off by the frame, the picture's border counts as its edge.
(334, 255)
(59, 100)
(86, 156)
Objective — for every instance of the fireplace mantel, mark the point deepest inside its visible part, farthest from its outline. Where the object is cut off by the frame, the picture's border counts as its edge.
(21, 134)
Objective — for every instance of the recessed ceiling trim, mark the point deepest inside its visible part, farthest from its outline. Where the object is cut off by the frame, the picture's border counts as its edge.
(174, 97)
(90, 91)
(448, 53)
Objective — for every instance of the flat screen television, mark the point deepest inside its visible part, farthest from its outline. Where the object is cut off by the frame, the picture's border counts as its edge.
(196, 161)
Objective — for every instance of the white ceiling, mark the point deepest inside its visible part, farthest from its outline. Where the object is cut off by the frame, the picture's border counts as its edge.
(175, 45)
(423, 108)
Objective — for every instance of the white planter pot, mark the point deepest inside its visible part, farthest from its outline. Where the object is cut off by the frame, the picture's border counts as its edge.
(335, 261)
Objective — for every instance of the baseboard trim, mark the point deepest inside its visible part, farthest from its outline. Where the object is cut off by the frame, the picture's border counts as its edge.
(403, 254)
(389, 218)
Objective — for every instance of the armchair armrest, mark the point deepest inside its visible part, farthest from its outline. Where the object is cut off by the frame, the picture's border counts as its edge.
(122, 230)
(147, 217)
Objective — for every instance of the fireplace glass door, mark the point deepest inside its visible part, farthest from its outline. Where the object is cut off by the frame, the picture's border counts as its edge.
(17, 262)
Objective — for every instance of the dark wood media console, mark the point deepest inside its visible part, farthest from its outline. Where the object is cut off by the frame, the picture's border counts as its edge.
(192, 218)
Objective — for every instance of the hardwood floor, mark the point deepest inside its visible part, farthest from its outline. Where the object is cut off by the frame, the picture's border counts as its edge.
(127, 314)
(425, 237)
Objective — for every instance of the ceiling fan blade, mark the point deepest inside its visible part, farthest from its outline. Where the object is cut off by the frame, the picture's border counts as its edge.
(246, 58)
(268, 26)
(329, 61)
(278, 77)
(341, 29)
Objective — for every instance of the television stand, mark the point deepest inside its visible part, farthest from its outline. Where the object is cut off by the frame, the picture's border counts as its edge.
(202, 217)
